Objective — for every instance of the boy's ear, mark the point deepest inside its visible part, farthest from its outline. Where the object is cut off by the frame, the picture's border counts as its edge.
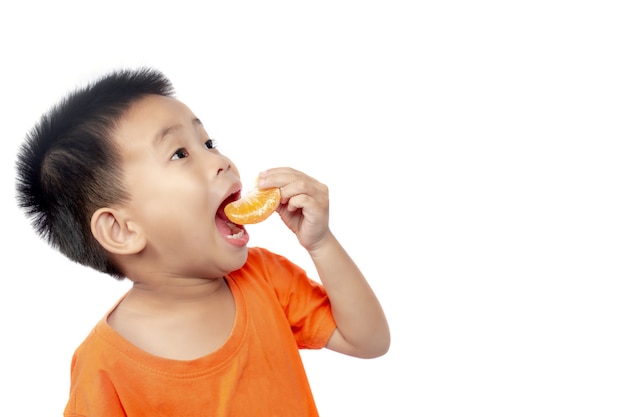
(116, 233)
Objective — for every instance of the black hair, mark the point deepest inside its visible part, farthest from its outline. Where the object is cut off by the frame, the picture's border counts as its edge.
(69, 165)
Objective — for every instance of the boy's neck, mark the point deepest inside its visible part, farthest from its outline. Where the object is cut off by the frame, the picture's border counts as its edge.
(174, 292)
(178, 319)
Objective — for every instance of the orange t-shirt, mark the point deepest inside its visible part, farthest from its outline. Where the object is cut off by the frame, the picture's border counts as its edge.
(257, 372)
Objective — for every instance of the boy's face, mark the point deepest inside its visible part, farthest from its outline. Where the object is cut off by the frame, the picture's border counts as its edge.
(178, 186)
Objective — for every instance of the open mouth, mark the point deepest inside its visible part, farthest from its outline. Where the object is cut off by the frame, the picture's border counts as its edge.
(229, 229)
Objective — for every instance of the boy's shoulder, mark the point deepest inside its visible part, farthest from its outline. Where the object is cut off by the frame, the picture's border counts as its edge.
(268, 264)
(258, 254)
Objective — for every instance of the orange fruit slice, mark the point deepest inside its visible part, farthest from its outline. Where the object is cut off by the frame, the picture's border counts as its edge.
(254, 207)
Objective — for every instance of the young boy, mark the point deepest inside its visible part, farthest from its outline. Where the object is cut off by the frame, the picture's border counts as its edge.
(122, 177)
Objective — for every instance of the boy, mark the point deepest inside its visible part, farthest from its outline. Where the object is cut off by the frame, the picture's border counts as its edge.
(122, 177)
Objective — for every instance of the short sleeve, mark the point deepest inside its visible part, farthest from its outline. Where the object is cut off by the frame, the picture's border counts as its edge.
(304, 301)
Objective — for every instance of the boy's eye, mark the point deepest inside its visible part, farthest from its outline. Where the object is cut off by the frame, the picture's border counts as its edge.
(210, 144)
(180, 154)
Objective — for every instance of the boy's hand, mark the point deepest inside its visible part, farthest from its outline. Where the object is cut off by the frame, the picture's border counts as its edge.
(303, 205)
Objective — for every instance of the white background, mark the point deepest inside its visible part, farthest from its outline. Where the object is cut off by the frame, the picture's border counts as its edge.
(474, 156)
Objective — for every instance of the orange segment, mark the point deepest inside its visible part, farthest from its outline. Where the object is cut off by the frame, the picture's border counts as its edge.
(254, 207)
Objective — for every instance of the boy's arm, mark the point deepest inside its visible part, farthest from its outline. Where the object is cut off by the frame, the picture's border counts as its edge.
(362, 328)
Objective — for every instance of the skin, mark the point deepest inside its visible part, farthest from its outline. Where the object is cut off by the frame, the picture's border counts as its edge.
(172, 242)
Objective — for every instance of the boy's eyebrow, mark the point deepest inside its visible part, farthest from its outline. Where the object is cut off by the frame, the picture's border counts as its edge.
(158, 138)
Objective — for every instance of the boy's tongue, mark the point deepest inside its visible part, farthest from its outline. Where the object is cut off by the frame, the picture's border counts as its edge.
(226, 227)
(231, 231)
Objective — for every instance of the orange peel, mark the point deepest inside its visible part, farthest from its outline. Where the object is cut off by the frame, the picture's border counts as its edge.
(254, 207)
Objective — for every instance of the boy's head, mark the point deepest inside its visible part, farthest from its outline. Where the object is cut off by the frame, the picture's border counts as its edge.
(69, 165)
(122, 177)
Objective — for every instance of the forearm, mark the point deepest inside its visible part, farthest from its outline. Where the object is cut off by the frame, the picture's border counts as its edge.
(361, 324)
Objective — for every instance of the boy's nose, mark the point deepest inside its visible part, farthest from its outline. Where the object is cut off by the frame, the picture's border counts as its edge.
(219, 164)
(221, 170)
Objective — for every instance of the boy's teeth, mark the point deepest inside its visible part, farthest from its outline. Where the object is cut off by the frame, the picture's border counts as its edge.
(235, 236)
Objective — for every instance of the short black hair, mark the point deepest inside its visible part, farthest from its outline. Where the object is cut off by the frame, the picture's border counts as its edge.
(69, 165)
